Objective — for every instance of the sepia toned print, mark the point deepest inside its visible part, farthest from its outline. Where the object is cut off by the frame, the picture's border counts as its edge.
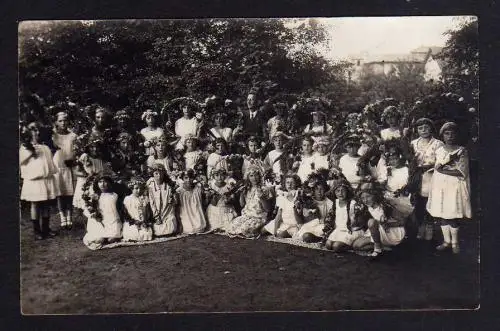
(236, 165)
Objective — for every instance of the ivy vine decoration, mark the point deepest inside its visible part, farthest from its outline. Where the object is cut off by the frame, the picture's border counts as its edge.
(329, 225)
(91, 199)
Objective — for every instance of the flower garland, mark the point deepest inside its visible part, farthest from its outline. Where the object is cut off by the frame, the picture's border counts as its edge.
(91, 200)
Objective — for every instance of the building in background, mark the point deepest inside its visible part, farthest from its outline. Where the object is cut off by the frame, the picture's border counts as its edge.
(422, 59)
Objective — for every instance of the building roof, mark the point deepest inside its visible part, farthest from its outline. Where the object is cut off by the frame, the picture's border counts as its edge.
(424, 49)
(397, 58)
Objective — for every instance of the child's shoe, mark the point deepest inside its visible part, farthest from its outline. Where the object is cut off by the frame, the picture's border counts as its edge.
(455, 248)
(443, 246)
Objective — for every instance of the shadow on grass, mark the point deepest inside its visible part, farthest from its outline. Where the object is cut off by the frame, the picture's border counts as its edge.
(214, 273)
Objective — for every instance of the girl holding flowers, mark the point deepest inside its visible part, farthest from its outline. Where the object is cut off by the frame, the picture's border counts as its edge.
(39, 186)
(162, 201)
(221, 211)
(152, 130)
(255, 202)
(449, 195)
(288, 219)
(101, 209)
(137, 213)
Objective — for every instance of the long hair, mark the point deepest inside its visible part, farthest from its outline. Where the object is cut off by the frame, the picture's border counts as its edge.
(95, 184)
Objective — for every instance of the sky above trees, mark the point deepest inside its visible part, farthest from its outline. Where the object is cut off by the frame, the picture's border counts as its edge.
(386, 35)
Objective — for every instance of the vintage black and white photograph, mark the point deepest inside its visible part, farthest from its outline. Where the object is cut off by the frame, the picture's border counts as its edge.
(249, 165)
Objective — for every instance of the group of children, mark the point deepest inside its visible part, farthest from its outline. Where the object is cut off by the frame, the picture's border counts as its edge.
(360, 190)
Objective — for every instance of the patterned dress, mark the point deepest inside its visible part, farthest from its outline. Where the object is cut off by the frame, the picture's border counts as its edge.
(253, 216)
(426, 156)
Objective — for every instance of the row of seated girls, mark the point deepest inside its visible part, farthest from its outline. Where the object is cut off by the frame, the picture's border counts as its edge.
(348, 192)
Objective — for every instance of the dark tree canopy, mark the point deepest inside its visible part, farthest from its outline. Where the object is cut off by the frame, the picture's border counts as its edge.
(143, 63)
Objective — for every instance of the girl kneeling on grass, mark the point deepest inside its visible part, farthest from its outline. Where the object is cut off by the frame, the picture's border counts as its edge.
(255, 201)
(220, 211)
(383, 230)
(346, 226)
(137, 214)
(39, 186)
(312, 231)
(191, 204)
(288, 219)
(449, 196)
(103, 218)
(162, 200)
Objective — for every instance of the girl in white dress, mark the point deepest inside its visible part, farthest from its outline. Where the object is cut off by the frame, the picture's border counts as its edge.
(383, 229)
(271, 161)
(449, 196)
(64, 159)
(306, 165)
(321, 158)
(312, 231)
(391, 117)
(103, 218)
(163, 201)
(136, 220)
(220, 211)
(345, 230)
(424, 149)
(319, 127)
(39, 187)
(186, 126)
(252, 155)
(152, 130)
(288, 219)
(217, 156)
(219, 131)
(162, 155)
(191, 205)
(348, 163)
(394, 178)
(89, 163)
(193, 155)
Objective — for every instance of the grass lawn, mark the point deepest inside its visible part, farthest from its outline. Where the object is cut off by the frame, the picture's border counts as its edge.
(215, 273)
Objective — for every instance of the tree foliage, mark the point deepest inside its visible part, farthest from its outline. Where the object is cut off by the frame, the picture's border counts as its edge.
(143, 63)
(404, 82)
(461, 61)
